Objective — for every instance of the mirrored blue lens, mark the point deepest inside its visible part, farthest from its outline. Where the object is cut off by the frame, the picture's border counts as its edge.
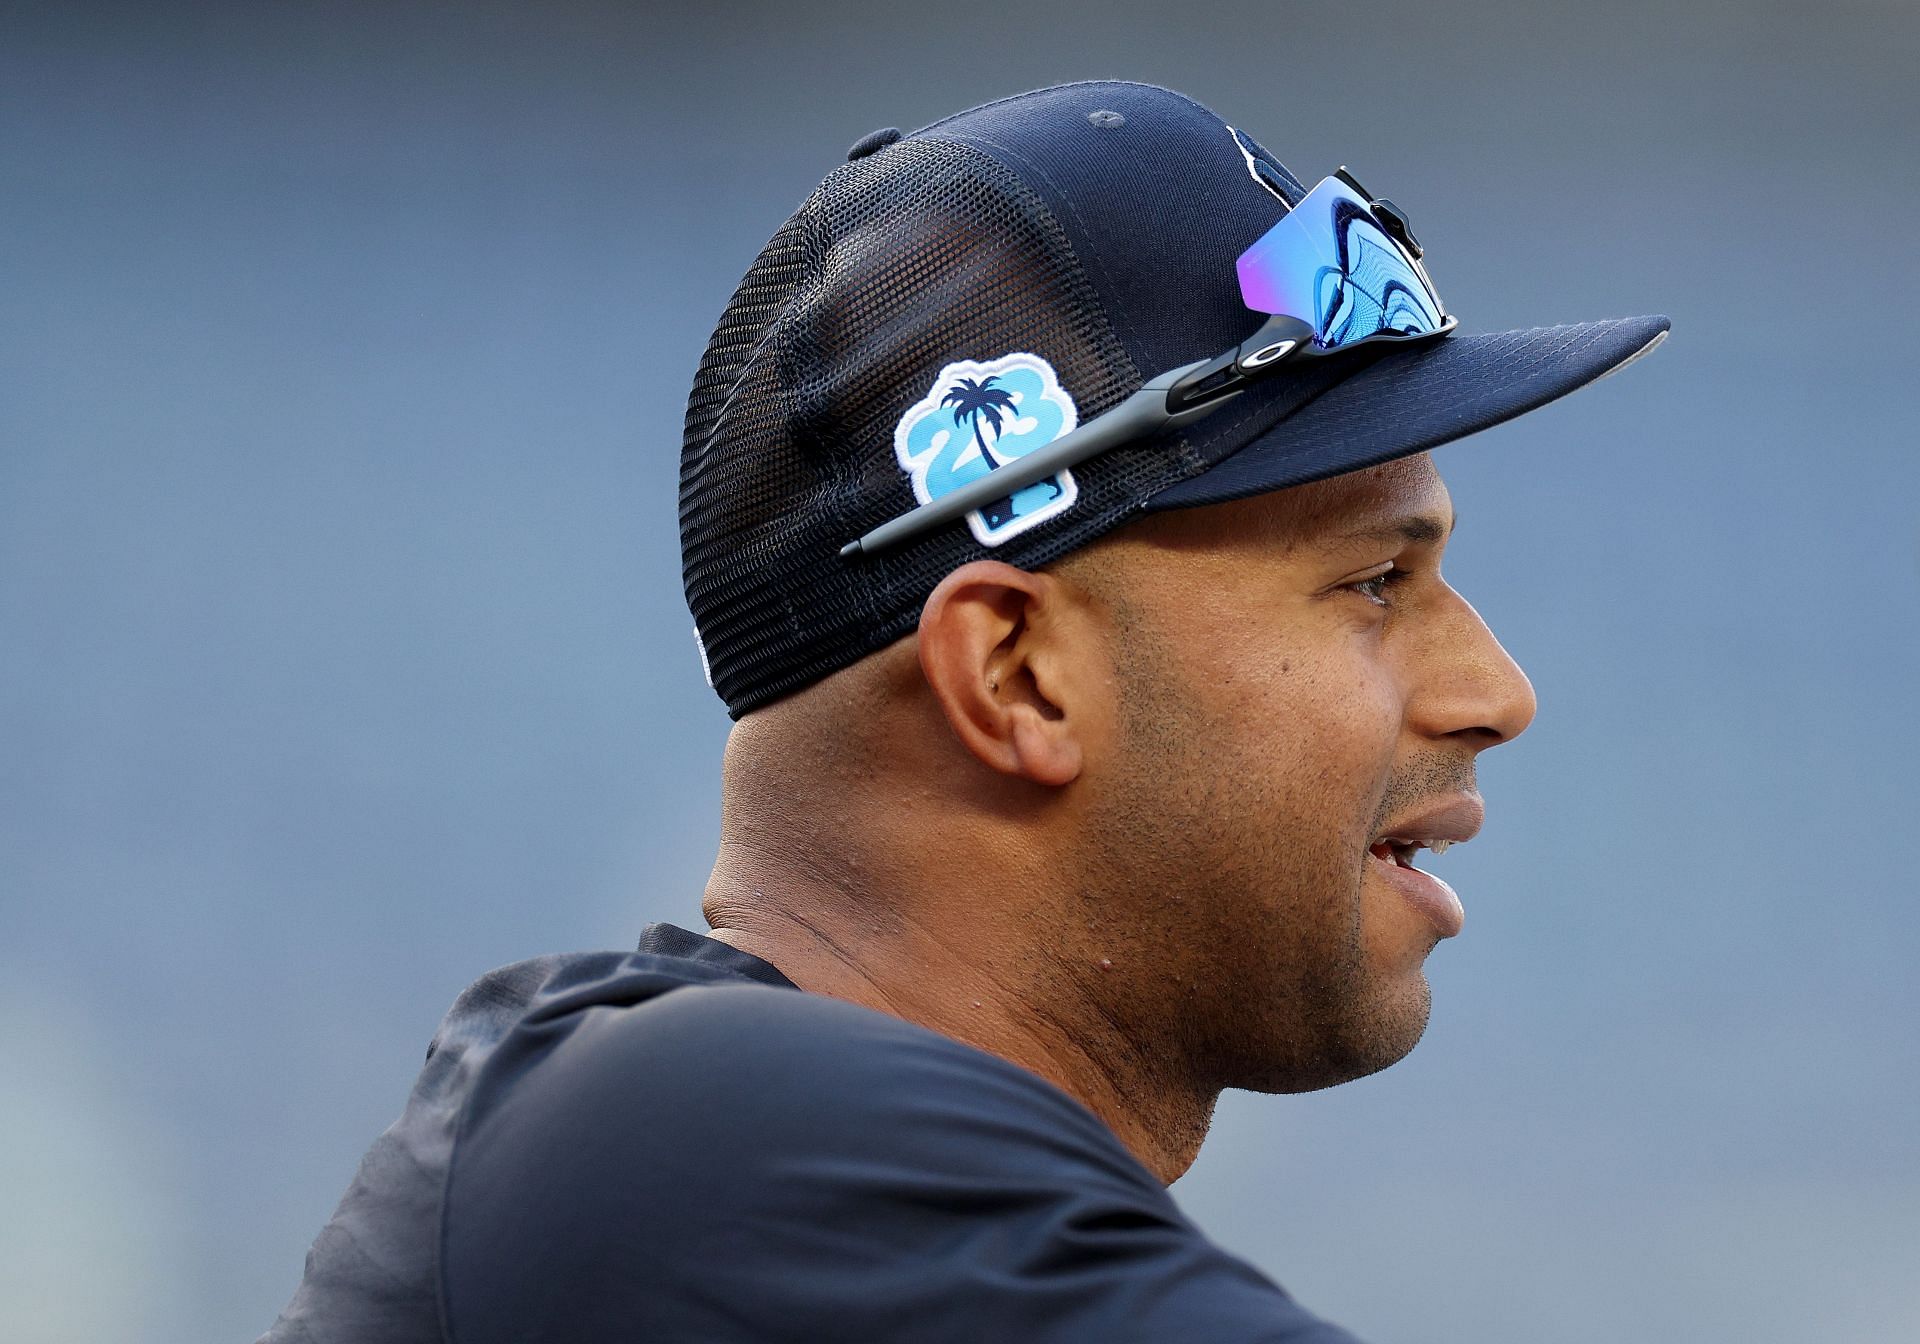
(1331, 264)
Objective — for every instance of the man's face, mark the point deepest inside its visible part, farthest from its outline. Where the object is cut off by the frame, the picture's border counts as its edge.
(1297, 688)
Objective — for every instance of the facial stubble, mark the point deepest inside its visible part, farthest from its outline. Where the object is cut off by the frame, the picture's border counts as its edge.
(1233, 882)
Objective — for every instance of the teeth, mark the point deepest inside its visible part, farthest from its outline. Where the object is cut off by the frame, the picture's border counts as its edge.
(1404, 850)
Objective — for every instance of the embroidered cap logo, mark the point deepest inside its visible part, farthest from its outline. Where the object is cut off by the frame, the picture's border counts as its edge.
(978, 417)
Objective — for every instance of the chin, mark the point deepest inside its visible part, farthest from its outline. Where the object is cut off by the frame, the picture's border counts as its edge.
(1365, 1038)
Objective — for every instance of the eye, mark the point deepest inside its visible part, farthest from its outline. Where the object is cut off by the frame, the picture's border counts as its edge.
(1374, 587)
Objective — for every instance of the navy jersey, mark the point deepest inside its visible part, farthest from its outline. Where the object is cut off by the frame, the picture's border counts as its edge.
(678, 1144)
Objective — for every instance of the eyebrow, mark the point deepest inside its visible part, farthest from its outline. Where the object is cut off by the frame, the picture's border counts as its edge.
(1423, 528)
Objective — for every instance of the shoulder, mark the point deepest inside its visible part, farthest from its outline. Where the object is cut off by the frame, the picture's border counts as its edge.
(745, 1148)
(747, 1073)
(737, 1162)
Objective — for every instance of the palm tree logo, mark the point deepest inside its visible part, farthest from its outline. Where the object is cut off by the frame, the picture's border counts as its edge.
(976, 417)
(974, 401)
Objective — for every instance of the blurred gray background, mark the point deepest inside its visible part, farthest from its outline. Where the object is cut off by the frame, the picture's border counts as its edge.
(343, 350)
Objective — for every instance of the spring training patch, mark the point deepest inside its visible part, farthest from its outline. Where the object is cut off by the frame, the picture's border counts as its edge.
(976, 418)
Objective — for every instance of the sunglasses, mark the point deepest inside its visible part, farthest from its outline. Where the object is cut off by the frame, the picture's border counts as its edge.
(1341, 269)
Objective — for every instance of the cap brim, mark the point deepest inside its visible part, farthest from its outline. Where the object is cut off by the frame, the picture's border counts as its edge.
(1409, 401)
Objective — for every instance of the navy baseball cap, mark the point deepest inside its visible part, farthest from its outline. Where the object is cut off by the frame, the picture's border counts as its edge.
(948, 300)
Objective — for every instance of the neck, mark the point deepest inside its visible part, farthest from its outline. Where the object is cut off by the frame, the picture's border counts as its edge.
(995, 979)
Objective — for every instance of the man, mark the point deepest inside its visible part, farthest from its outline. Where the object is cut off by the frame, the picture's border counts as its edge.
(1059, 528)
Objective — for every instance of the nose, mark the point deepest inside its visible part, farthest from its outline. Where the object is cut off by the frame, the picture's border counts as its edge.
(1468, 687)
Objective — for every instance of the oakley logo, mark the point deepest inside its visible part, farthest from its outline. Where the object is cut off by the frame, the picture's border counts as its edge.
(978, 417)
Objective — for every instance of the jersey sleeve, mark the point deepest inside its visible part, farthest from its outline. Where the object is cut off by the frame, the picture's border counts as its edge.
(738, 1163)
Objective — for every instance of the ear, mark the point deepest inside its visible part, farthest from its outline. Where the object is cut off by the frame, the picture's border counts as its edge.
(997, 652)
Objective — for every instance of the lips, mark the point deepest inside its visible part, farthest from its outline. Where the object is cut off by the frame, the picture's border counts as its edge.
(1447, 822)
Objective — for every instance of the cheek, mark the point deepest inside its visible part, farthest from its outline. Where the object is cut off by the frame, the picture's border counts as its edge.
(1301, 711)
(1323, 715)
(1303, 740)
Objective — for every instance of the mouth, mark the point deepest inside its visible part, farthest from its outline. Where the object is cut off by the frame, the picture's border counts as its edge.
(1401, 852)
(1433, 830)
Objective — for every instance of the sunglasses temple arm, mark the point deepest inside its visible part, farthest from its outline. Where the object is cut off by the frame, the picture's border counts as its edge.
(1141, 415)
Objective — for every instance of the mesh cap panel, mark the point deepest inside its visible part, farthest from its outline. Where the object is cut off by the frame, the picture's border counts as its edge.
(925, 253)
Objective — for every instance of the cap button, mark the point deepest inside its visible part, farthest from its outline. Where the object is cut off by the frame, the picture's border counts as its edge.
(868, 144)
